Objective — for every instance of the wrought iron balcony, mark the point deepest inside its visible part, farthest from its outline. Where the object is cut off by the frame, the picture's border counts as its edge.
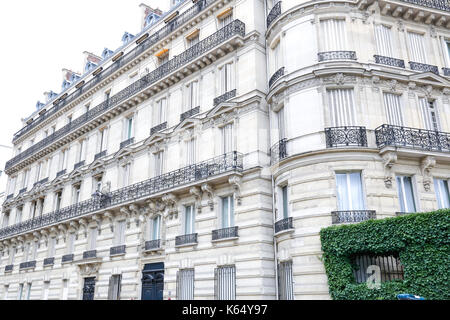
(40, 182)
(446, 72)
(67, 258)
(126, 143)
(9, 268)
(153, 245)
(119, 250)
(189, 113)
(352, 216)
(27, 265)
(61, 173)
(225, 97)
(277, 75)
(279, 151)
(336, 55)
(389, 61)
(79, 165)
(274, 13)
(90, 254)
(23, 190)
(158, 128)
(226, 163)
(234, 28)
(10, 196)
(283, 225)
(100, 155)
(49, 262)
(434, 4)
(181, 19)
(423, 67)
(225, 233)
(186, 239)
(395, 136)
(346, 136)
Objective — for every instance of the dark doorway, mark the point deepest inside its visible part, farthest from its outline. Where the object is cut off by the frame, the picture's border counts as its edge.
(89, 288)
(153, 281)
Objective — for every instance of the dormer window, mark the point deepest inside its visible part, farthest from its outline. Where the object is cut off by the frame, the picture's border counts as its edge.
(106, 53)
(127, 37)
(89, 66)
(66, 84)
(74, 77)
(151, 19)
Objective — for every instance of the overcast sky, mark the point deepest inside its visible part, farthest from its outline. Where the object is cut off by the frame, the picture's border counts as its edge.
(40, 38)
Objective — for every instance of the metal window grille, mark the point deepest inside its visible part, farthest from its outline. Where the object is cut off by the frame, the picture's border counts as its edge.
(185, 284)
(114, 287)
(285, 281)
(225, 283)
(390, 267)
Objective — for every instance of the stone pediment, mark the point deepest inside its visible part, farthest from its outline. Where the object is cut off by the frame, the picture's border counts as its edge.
(429, 78)
(187, 124)
(222, 108)
(122, 153)
(156, 137)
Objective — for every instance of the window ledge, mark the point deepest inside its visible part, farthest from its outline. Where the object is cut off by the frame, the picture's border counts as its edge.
(152, 250)
(187, 245)
(280, 233)
(225, 239)
(117, 254)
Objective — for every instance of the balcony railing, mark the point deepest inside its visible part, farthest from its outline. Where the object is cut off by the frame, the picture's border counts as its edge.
(393, 62)
(189, 113)
(274, 13)
(158, 128)
(423, 67)
(225, 97)
(285, 224)
(352, 216)
(79, 165)
(226, 163)
(23, 190)
(100, 155)
(49, 262)
(10, 196)
(114, 251)
(434, 4)
(277, 75)
(27, 265)
(279, 151)
(90, 254)
(153, 245)
(199, 6)
(336, 55)
(225, 233)
(446, 72)
(126, 143)
(234, 28)
(346, 136)
(67, 258)
(9, 268)
(395, 136)
(186, 239)
(61, 173)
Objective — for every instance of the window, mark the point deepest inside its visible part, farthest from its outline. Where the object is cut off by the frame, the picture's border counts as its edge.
(12, 255)
(342, 107)
(406, 194)
(430, 114)
(46, 290)
(102, 142)
(71, 243)
(417, 52)
(189, 220)
(39, 207)
(63, 160)
(281, 126)
(276, 57)
(34, 251)
(159, 115)
(383, 39)
(58, 198)
(227, 212)
(349, 191)
(119, 238)
(393, 109)
(25, 178)
(20, 291)
(81, 150)
(26, 252)
(128, 128)
(65, 293)
(156, 225)
(226, 78)
(114, 287)
(19, 211)
(227, 138)
(163, 59)
(225, 283)
(226, 20)
(76, 193)
(126, 174)
(283, 207)
(193, 40)
(447, 50)
(190, 152)
(334, 35)
(52, 130)
(442, 193)
(159, 163)
(191, 96)
(5, 219)
(185, 284)
(98, 182)
(51, 247)
(69, 119)
(390, 267)
(107, 95)
(28, 291)
(92, 239)
(38, 172)
(87, 107)
(285, 281)
(33, 209)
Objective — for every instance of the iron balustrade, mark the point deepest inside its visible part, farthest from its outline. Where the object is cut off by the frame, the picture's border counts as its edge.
(423, 67)
(274, 13)
(126, 143)
(200, 6)
(277, 75)
(158, 128)
(393, 62)
(100, 155)
(9, 268)
(234, 28)
(114, 251)
(279, 151)
(225, 97)
(434, 4)
(225, 233)
(396, 136)
(189, 113)
(10, 196)
(186, 239)
(226, 163)
(390, 267)
(346, 136)
(79, 165)
(446, 72)
(352, 216)
(283, 225)
(152, 245)
(27, 265)
(91, 254)
(49, 262)
(67, 258)
(336, 55)
(23, 190)
(61, 173)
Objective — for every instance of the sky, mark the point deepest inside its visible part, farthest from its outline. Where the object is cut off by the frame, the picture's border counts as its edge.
(40, 38)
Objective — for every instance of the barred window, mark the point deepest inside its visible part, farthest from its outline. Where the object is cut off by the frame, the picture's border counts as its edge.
(390, 267)
(185, 284)
(285, 281)
(114, 287)
(225, 283)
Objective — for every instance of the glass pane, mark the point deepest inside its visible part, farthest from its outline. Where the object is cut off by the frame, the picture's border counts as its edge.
(409, 194)
(285, 203)
(342, 192)
(442, 193)
(400, 194)
(225, 212)
(356, 192)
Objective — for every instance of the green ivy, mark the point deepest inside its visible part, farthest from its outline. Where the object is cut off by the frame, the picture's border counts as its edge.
(421, 240)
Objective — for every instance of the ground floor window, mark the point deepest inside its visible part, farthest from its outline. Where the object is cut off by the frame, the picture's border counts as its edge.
(185, 284)
(225, 283)
(285, 281)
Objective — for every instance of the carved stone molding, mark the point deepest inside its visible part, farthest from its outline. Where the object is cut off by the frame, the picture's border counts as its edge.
(170, 201)
(89, 269)
(197, 193)
(389, 159)
(109, 215)
(236, 182)
(208, 189)
(427, 164)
